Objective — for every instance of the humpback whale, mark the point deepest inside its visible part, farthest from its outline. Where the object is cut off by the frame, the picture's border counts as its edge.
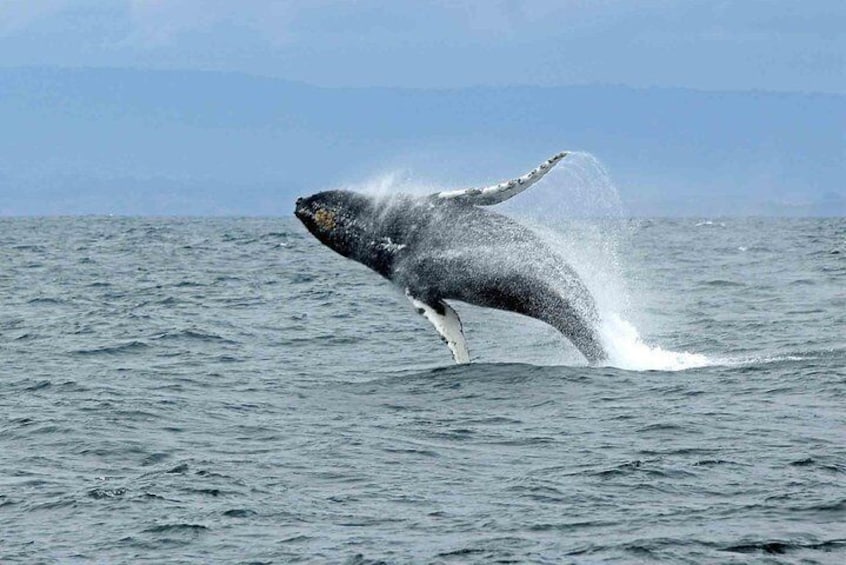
(446, 246)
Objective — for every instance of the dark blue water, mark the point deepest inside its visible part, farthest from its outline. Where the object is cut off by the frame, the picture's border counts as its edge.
(226, 390)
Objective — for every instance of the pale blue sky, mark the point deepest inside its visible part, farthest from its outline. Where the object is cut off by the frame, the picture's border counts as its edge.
(154, 106)
(723, 45)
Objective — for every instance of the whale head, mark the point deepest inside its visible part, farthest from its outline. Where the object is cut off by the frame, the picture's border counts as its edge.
(340, 219)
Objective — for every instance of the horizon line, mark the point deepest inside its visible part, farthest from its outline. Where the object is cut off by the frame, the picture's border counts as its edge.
(270, 77)
(291, 216)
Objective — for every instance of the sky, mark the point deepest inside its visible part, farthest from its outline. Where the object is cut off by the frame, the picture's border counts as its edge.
(712, 45)
(183, 107)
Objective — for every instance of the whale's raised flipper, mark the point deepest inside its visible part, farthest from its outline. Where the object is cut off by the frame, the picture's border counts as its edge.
(447, 323)
(501, 192)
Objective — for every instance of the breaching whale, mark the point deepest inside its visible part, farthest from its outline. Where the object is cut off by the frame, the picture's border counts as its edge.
(444, 246)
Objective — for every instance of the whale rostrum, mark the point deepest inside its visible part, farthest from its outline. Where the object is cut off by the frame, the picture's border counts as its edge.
(445, 246)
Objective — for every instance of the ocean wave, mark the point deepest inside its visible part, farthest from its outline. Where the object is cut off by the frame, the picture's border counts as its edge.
(133, 346)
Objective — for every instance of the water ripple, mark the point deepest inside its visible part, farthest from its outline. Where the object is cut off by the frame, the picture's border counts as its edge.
(226, 390)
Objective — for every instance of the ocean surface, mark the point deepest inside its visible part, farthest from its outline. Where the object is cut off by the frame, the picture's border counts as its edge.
(228, 390)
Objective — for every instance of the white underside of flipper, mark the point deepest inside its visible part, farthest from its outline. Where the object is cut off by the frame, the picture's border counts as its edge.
(448, 326)
(501, 192)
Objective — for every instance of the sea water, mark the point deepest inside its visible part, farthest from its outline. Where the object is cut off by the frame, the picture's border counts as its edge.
(228, 390)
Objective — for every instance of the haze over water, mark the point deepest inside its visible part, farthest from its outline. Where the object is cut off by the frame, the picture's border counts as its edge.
(188, 390)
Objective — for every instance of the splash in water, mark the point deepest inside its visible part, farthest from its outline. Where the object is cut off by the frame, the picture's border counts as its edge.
(626, 350)
(577, 210)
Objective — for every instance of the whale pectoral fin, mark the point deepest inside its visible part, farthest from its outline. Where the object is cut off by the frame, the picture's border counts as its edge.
(501, 192)
(447, 324)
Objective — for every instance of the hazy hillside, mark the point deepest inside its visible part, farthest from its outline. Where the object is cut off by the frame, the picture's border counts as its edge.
(156, 142)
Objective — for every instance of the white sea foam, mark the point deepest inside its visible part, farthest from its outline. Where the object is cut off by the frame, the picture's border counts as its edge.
(627, 350)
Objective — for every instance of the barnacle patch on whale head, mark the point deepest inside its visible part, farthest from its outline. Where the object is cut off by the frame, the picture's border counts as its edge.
(325, 219)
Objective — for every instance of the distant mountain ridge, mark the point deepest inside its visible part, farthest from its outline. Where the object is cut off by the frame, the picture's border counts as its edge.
(97, 141)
